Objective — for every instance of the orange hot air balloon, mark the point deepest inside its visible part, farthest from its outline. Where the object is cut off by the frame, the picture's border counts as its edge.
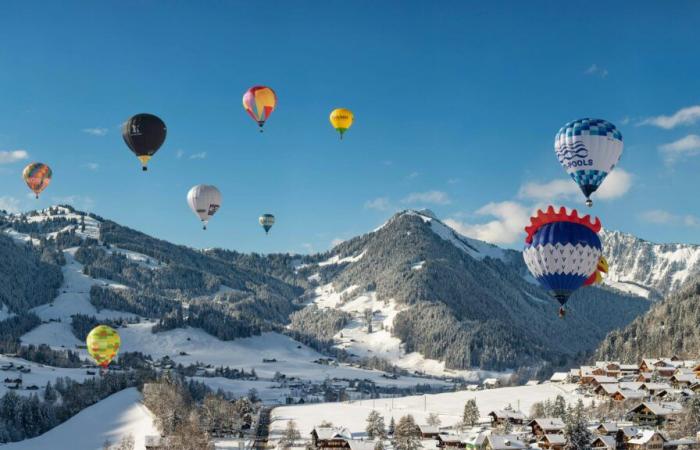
(37, 176)
(259, 102)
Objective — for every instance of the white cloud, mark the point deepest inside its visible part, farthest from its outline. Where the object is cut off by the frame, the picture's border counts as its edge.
(687, 146)
(596, 70)
(10, 156)
(662, 217)
(412, 175)
(616, 185)
(379, 203)
(96, 131)
(431, 197)
(200, 155)
(337, 241)
(510, 220)
(92, 166)
(684, 116)
(453, 181)
(179, 154)
(9, 204)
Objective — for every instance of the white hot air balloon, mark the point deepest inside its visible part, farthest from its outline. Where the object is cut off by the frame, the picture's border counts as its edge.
(204, 201)
(588, 149)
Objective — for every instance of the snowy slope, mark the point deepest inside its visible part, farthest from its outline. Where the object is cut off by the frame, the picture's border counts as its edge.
(449, 406)
(112, 419)
(39, 375)
(645, 268)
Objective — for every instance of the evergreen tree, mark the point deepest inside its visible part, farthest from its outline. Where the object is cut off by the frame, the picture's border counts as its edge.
(291, 435)
(576, 432)
(559, 407)
(392, 426)
(50, 393)
(470, 416)
(375, 426)
(406, 436)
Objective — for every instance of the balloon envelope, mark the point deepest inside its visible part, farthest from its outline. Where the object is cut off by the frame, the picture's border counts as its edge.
(562, 251)
(144, 134)
(588, 149)
(341, 119)
(37, 176)
(267, 220)
(103, 344)
(259, 102)
(204, 200)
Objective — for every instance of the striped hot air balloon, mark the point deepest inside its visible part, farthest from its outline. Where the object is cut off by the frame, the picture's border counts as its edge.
(562, 251)
(267, 220)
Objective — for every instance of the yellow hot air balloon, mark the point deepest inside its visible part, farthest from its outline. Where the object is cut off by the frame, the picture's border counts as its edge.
(37, 176)
(103, 344)
(341, 119)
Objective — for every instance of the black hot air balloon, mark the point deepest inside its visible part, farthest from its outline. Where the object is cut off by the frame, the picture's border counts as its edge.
(144, 134)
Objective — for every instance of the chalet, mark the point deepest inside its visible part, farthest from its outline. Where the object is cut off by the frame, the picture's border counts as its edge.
(623, 394)
(683, 380)
(629, 369)
(644, 377)
(604, 442)
(559, 377)
(491, 383)
(647, 440)
(654, 414)
(607, 429)
(601, 379)
(689, 443)
(610, 368)
(651, 364)
(606, 389)
(452, 441)
(552, 442)
(501, 416)
(546, 425)
(653, 388)
(504, 442)
(631, 385)
(574, 375)
(428, 431)
(330, 438)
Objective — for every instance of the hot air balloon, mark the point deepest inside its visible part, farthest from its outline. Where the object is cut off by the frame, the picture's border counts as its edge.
(267, 220)
(103, 345)
(144, 134)
(205, 201)
(259, 102)
(341, 119)
(37, 176)
(588, 149)
(562, 251)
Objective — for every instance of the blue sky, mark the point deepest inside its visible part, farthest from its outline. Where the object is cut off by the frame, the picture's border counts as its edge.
(456, 106)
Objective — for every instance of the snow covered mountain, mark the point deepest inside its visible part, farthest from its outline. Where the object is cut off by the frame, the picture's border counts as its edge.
(647, 269)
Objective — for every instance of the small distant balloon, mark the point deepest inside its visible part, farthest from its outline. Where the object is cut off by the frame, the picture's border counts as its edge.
(342, 119)
(259, 102)
(37, 176)
(103, 344)
(588, 149)
(204, 201)
(267, 220)
(144, 134)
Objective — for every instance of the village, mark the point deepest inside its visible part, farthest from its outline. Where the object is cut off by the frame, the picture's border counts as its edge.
(653, 405)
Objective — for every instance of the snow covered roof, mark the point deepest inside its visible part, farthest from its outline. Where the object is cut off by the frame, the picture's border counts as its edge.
(655, 386)
(631, 385)
(644, 436)
(600, 379)
(428, 429)
(361, 445)
(555, 438)
(610, 427)
(608, 388)
(490, 381)
(661, 409)
(505, 442)
(629, 394)
(332, 433)
(559, 376)
(548, 423)
(507, 414)
(532, 383)
(607, 441)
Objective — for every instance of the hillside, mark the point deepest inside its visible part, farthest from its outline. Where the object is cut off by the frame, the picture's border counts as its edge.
(647, 269)
(670, 327)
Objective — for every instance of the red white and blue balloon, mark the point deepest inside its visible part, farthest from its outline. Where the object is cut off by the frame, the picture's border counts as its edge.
(562, 251)
(588, 149)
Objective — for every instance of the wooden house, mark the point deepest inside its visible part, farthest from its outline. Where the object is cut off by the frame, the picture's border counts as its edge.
(621, 395)
(546, 425)
(607, 429)
(428, 431)
(504, 442)
(500, 416)
(647, 440)
(330, 438)
(654, 414)
(604, 442)
(552, 442)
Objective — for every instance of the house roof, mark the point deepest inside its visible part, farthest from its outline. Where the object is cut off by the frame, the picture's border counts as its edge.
(505, 442)
(532, 383)
(660, 409)
(600, 379)
(609, 426)
(361, 445)
(629, 367)
(631, 395)
(631, 385)
(555, 438)
(548, 423)
(608, 388)
(428, 429)
(332, 433)
(655, 386)
(559, 376)
(608, 441)
(491, 381)
(629, 431)
(644, 436)
(507, 414)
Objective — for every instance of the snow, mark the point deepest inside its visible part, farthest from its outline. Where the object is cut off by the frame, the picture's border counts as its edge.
(449, 406)
(338, 260)
(56, 334)
(355, 339)
(5, 313)
(418, 265)
(293, 359)
(135, 257)
(39, 375)
(114, 418)
(268, 391)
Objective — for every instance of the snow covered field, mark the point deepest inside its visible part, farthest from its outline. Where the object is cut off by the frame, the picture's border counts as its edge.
(112, 419)
(449, 406)
(38, 376)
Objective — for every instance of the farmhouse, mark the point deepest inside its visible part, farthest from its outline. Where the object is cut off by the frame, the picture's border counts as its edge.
(647, 440)
(330, 438)
(501, 416)
(546, 425)
(654, 414)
